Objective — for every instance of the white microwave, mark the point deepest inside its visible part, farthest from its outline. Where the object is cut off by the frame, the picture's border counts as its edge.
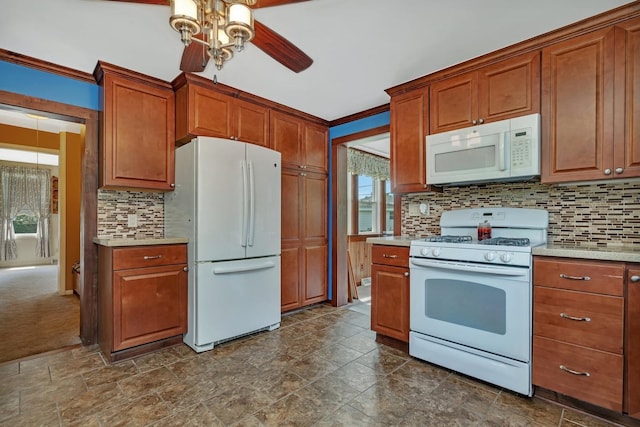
(508, 150)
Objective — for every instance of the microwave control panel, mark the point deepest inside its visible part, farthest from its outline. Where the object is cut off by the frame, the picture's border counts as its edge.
(521, 148)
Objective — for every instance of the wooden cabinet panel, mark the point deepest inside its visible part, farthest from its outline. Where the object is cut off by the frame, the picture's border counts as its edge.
(210, 113)
(580, 318)
(291, 219)
(577, 108)
(315, 206)
(390, 255)
(285, 138)
(579, 275)
(408, 131)
(315, 270)
(390, 301)
(453, 103)
(250, 123)
(148, 304)
(290, 280)
(603, 384)
(149, 256)
(315, 147)
(632, 342)
(137, 133)
(503, 90)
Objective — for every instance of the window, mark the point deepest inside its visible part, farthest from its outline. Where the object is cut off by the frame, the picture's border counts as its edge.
(370, 205)
(25, 223)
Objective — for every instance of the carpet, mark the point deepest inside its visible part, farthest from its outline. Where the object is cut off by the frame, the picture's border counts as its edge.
(34, 319)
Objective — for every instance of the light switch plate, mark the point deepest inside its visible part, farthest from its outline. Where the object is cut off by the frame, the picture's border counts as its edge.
(132, 220)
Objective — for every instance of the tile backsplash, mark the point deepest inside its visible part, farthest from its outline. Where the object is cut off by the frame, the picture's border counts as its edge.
(114, 208)
(583, 215)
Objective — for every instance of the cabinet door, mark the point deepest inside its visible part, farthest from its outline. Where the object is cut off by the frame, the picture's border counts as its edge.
(577, 108)
(138, 138)
(250, 123)
(290, 280)
(314, 206)
(315, 272)
(315, 147)
(291, 214)
(390, 301)
(209, 113)
(148, 304)
(285, 133)
(627, 99)
(453, 103)
(408, 131)
(509, 88)
(632, 350)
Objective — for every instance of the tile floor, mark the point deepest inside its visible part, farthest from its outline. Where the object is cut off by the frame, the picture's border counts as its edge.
(321, 368)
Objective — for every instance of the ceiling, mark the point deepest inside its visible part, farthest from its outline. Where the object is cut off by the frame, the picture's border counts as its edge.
(359, 47)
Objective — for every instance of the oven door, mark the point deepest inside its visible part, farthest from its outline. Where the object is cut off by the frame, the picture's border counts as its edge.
(485, 307)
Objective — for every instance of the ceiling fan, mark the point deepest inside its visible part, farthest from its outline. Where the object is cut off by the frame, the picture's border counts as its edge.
(195, 57)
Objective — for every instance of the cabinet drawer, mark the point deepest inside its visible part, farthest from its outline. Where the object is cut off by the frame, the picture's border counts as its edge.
(149, 256)
(591, 320)
(390, 255)
(589, 276)
(603, 384)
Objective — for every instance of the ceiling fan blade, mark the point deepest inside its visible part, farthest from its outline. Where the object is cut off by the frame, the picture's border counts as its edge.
(280, 49)
(269, 3)
(194, 57)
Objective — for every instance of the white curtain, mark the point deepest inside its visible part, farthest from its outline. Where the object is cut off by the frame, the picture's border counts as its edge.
(361, 163)
(21, 188)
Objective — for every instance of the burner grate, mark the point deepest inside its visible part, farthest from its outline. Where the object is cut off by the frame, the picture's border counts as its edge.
(448, 239)
(506, 241)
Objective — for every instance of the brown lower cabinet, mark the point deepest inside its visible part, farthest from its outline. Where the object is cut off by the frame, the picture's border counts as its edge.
(142, 298)
(390, 291)
(632, 345)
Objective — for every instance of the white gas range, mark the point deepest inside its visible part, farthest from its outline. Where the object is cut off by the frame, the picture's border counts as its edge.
(471, 301)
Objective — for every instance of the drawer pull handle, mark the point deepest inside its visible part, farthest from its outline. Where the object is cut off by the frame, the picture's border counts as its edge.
(579, 319)
(635, 279)
(146, 257)
(389, 256)
(571, 371)
(566, 276)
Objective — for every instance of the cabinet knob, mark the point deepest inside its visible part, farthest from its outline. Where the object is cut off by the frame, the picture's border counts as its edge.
(406, 274)
(635, 279)
(172, 185)
(481, 121)
(475, 122)
(303, 174)
(607, 171)
(186, 269)
(619, 170)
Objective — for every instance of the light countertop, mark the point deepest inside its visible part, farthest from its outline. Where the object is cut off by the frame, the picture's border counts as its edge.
(391, 240)
(139, 242)
(608, 253)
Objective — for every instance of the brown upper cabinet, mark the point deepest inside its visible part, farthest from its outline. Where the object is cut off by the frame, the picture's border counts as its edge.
(408, 127)
(499, 91)
(303, 144)
(591, 106)
(204, 111)
(137, 130)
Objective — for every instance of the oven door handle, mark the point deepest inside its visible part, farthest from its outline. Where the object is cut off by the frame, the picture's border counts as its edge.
(475, 268)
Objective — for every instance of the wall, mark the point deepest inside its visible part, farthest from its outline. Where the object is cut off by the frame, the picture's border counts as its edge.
(71, 148)
(579, 214)
(115, 206)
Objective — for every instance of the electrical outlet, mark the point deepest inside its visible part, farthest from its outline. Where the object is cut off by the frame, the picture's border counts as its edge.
(132, 220)
(424, 208)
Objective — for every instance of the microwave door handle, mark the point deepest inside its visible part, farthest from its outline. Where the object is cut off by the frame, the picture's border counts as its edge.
(502, 158)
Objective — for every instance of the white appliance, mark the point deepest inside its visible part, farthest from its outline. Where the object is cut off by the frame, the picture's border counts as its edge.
(471, 301)
(507, 150)
(227, 202)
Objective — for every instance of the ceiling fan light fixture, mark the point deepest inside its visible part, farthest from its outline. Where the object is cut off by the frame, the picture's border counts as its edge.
(184, 19)
(239, 24)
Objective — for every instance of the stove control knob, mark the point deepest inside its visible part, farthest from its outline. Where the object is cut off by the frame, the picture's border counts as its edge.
(490, 256)
(506, 257)
(436, 252)
(424, 251)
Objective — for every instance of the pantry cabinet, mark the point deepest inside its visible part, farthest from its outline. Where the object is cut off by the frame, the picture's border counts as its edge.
(578, 329)
(591, 106)
(506, 89)
(303, 144)
(142, 298)
(204, 111)
(136, 130)
(304, 238)
(390, 291)
(408, 130)
(632, 339)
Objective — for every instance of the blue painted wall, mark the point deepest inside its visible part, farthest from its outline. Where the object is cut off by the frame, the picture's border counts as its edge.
(52, 87)
(344, 129)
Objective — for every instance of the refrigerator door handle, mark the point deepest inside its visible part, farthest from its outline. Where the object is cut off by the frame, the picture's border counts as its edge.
(245, 203)
(243, 268)
(252, 205)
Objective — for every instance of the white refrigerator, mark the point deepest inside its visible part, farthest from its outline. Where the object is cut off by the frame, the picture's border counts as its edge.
(227, 202)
